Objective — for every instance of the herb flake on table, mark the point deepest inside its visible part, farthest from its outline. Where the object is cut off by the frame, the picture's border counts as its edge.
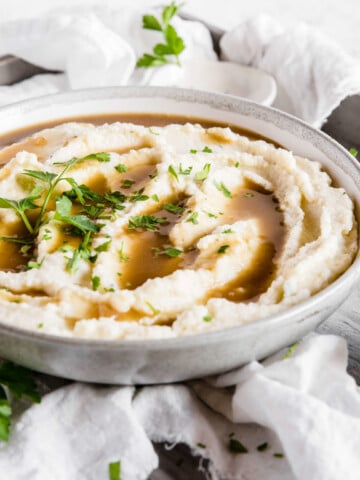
(173, 45)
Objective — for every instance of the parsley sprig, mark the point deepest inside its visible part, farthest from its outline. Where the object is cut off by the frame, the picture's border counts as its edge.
(19, 383)
(173, 45)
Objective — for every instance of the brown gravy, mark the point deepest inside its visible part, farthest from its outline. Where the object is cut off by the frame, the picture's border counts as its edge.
(143, 258)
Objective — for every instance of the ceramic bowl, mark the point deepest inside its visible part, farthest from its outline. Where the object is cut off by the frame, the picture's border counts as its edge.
(158, 361)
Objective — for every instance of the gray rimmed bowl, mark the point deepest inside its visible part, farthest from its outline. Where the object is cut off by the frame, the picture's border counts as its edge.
(176, 359)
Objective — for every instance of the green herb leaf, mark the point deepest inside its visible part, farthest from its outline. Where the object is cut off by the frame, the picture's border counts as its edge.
(169, 251)
(248, 195)
(207, 318)
(193, 218)
(221, 187)
(5, 413)
(290, 351)
(193, 151)
(150, 22)
(138, 196)
(203, 174)
(228, 230)
(147, 222)
(206, 149)
(237, 447)
(278, 455)
(104, 247)
(122, 256)
(172, 172)
(185, 171)
(223, 248)
(154, 310)
(148, 61)
(155, 197)
(95, 282)
(99, 156)
(127, 183)
(121, 168)
(46, 177)
(19, 381)
(63, 206)
(115, 471)
(170, 207)
(169, 11)
(162, 49)
(21, 240)
(175, 43)
(262, 447)
(353, 152)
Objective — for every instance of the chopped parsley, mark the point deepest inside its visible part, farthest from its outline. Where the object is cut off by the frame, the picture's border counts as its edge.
(154, 310)
(155, 197)
(262, 447)
(95, 282)
(207, 318)
(200, 445)
(193, 150)
(237, 447)
(169, 251)
(290, 351)
(204, 173)
(104, 247)
(221, 187)
(122, 256)
(353, 152)
(152, 131)
(185, 171)
(127, 183)
(139, 196)
(194, 218)
(278, 455)
(147, 222)
(121, 168)
(170, 207)
(249, 195)
(206, 149)
(173, 173)
(223, 248)
(115, 471)
(228, 230)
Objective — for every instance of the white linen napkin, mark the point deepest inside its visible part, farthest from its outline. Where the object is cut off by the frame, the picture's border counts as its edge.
(304, 407)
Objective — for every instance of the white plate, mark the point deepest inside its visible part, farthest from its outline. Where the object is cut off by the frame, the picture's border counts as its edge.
(220, 77)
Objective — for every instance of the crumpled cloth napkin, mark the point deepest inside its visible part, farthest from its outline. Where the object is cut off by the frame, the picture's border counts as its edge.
(98, 46)
(305, 407)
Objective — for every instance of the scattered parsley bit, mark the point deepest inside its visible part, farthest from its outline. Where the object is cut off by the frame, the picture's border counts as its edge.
(200, 445)
(290, 351)
(33, 264)
(170, 207)
(25, 248)
(249, 195)
(211, 215)
(193, 150)
(237, 164)
(278, 455)
(223, 248)
(153, 132)
(207, 318)
(40, 325)
(127, 183)
(20, 383)
(187, 171)
(154, 310)
(203, 174)
(353, 152)
(193, 218)
(163, 52)
(47, 234)
(121, 168)
(155, 197)
(169, 251)
(139, 196)
(153, 175)
(228, 230)
(22, 206)
(95, 282)
(221, 187)
(104, 247)
(122, 256)
(237, 447)
(262, 447)
(148, 222)
(172, 172)
(207, 149)
(115, 471)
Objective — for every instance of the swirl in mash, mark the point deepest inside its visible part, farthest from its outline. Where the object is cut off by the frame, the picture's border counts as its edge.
(164, 231)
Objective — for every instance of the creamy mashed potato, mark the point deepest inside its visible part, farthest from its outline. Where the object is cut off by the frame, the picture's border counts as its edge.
(120, 231)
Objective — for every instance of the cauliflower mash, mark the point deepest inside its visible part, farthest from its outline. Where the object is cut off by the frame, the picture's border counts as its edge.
(120, 231)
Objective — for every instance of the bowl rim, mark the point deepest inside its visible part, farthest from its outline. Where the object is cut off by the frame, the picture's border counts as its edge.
(222, 102)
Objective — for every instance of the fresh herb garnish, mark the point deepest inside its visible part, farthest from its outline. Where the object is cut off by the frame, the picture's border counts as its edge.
(115, 471)
(200, 445)
(193, 218)
(206, 149)
(170, 207)
(193, 150)
(207, 318)
(172, 172)
(353, 152)
(169, 251)
(290, 350)
(185, 171)
(248, 195)
(104, 247)
(20, 383)
(139, 196)
(121, 168)
(122, 256)
(237, 447)
(223, 248)
(127, 183)
(228, 230)
(278, 455)
(221, 187)
(147, 222)
(154, 310)
(155, 197)
(95, 282)
(262, 447)
(203, 174)
(173, 45)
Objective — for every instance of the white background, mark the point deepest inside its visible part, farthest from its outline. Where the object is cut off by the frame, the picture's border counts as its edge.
(339, 19)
